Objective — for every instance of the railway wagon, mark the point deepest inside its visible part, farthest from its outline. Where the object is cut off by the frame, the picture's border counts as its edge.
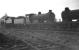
(18, 21)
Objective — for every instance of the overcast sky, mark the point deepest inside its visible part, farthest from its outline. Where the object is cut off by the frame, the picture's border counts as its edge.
(21, 7)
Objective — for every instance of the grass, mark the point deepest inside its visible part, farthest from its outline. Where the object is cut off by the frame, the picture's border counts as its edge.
(42, 39)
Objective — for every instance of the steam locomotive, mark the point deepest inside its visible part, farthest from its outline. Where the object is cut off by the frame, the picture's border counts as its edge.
(69, 15)
(43, 18)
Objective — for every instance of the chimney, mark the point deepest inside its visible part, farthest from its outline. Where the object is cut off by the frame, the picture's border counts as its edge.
(67, 9)
(50, 11)
(39, 12)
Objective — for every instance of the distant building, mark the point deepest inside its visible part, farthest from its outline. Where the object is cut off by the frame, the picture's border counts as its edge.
(5, 16)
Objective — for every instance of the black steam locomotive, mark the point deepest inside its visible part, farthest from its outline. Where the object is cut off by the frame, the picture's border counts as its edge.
(69, 15)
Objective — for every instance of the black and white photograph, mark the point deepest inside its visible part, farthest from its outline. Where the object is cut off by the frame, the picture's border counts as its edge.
(39, 24)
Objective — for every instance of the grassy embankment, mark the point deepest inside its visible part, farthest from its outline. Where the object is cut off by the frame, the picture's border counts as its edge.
(46, 37)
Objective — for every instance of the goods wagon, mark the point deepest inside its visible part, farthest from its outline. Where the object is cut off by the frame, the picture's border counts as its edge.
(18, 21)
